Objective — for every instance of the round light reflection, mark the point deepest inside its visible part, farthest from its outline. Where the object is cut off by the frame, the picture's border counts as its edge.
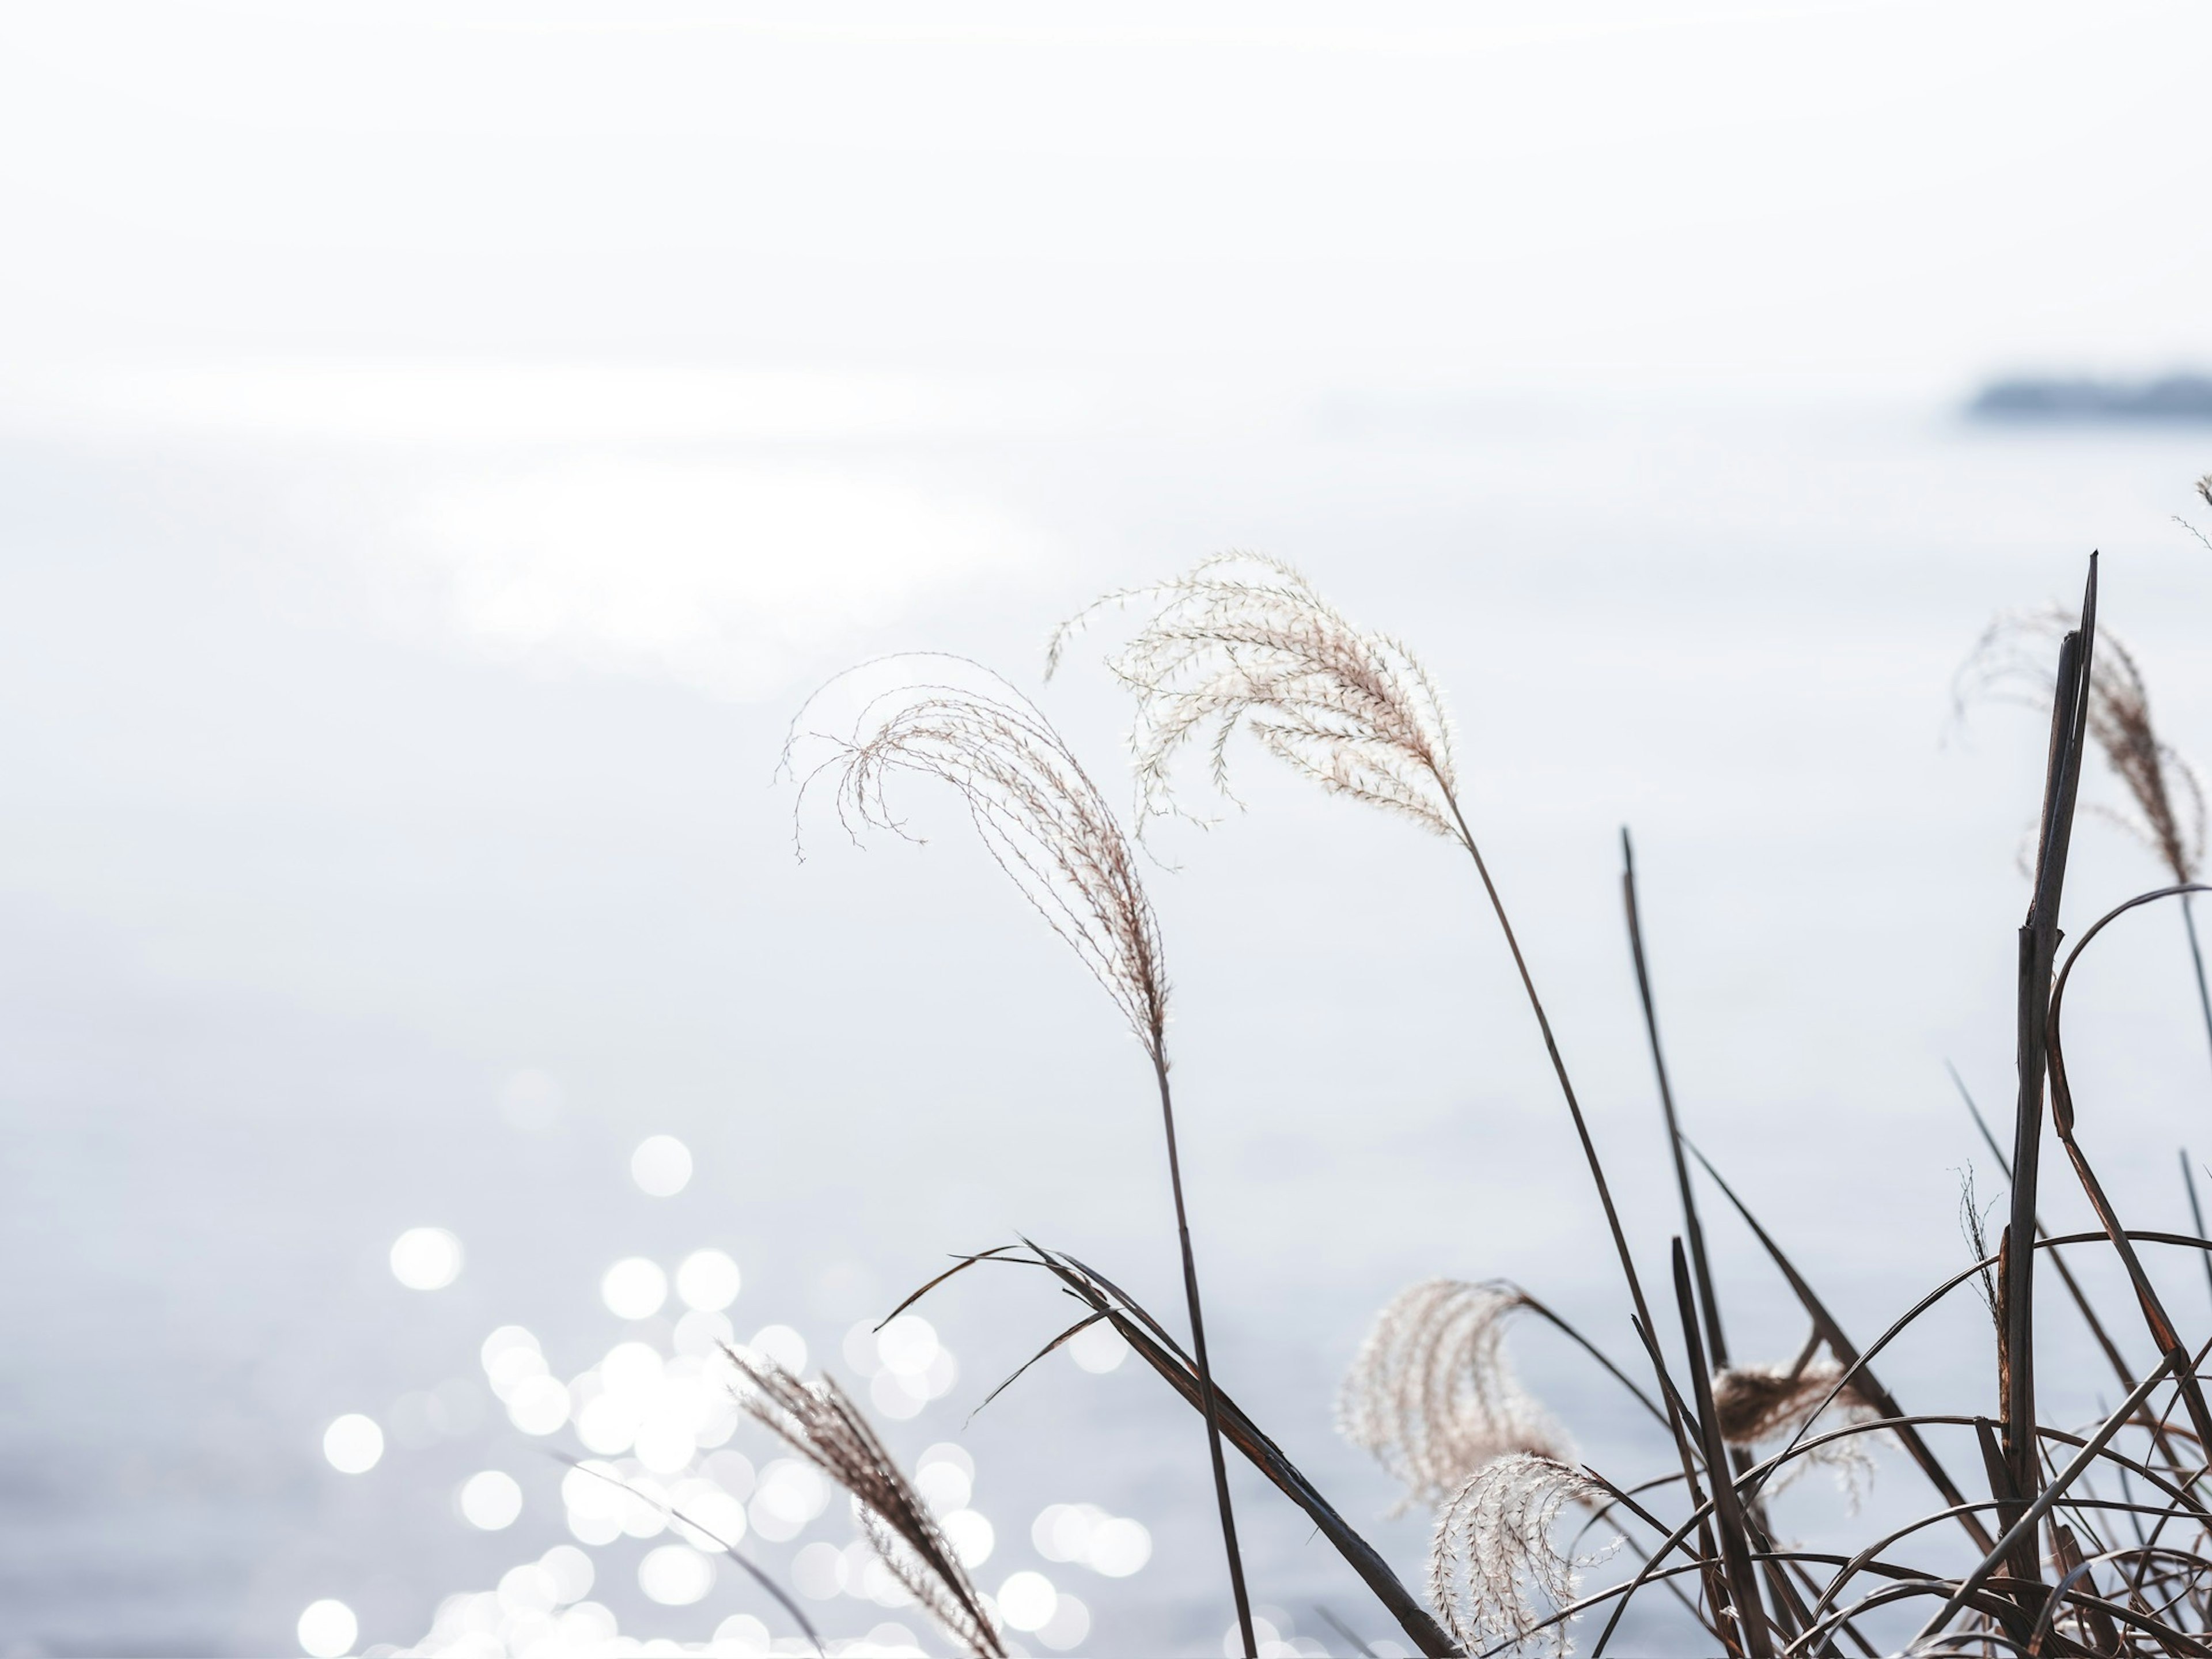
(491, 1499)
(708, 1281)
(426, 1258)
(1027, 1601)
(661, 1166)
(675, 1575)
(353, 1444)
(327, 1629)
(634, 1288)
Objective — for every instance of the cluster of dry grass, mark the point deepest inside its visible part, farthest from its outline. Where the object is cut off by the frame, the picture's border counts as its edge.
(2077, 1543)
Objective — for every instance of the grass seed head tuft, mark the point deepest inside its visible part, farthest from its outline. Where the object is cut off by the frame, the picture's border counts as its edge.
(821, 1424)
(1432, 1394)
(1758, 1404)
(1038, 813)
(1246, 642)
(2014, 660)
(1493, 1546)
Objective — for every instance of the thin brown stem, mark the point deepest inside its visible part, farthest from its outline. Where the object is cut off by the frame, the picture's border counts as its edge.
(1208, 1394)
(1558, 1068)
(1693, 1231)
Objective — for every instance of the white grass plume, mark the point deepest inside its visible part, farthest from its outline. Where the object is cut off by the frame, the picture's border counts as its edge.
(1246, 642)
(822, 1425)
(1493, 1546)
(1038, 813)
(1432, 1394)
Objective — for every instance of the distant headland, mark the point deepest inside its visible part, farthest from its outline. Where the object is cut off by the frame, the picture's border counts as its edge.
(2169, 397)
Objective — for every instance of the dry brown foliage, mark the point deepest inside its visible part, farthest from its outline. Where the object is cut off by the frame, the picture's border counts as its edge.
(821, 1424)
(1760, 1405)
(1246, 642)
(1756, 1403)
(1432, 1394)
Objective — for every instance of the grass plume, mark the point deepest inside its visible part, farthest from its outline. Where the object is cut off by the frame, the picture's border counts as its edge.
(1244, 642)
(1045, 823)
(822, 1426)
(1493, 1546)
(2012, 661)
(1432, 1394)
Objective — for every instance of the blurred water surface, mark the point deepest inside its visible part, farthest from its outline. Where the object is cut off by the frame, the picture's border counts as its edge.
(391, 841)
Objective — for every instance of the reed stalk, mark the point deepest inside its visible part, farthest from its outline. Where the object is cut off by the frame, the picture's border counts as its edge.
(1047, 826)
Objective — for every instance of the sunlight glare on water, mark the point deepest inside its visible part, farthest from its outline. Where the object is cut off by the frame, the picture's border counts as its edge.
(1026, 1600)
(781, 1344)
(661, 1166)
(1099, 1349)
(708, 1281)
(490, 1499)
(327, 1629)
(676, 1575)
(945, 1475)
(353, 1444)
(426, 1258)
(634, 1288)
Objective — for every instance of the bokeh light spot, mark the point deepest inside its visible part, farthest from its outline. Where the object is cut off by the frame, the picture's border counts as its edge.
(970, 1534)
(907, 1343)
(708, 1281)
(1027, 1601)
(426, 1258)
(538, 1405)
(491, 1499)
(570, 1572)
(634, 1288)
(1118, 1547)
(781, 1344)
(818, 1572)
(661, 1166)
(675, 1575)
(1099, 1349)
(353, 1444)
(327, 1629)
(1067, 1627)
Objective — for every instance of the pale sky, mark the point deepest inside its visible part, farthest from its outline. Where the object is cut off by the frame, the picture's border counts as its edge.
(1776, 195)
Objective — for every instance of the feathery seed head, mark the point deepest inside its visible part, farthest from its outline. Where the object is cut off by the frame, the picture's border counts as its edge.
(1246, 642)
(821, 1424)
(1493, 1544)
(1432, 1394)
(2016, 658)
(1765, 1403)
(1038, 813)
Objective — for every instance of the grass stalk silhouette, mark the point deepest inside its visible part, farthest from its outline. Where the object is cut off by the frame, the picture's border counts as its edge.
(1245, 643)
(1047, 827)
(1245, 646)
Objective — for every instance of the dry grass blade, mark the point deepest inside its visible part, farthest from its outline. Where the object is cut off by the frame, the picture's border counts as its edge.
(1150, 1341)
(1038, 813)
(1432, 1396)
(1246, 642)
(816, 1421)
(1493, 1546)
